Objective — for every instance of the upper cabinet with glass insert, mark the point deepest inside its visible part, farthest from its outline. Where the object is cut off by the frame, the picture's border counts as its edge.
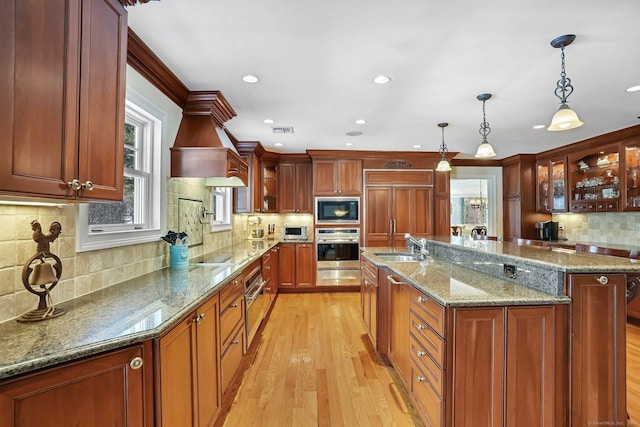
(595, 181)
(631, 152)
(551, 181)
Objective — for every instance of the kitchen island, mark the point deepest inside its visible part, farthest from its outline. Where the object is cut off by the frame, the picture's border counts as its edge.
(515, 335)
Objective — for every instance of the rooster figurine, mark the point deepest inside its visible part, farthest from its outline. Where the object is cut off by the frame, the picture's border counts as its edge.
(44, 240)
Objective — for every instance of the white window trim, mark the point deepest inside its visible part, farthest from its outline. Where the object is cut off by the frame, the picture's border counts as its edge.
(225, 225)
(85, 241)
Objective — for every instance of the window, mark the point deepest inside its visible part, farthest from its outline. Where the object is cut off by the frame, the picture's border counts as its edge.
(220, 208)
(137, 218)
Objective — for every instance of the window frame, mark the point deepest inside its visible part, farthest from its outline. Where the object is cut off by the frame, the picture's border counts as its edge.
(220, 218)
(138, 109)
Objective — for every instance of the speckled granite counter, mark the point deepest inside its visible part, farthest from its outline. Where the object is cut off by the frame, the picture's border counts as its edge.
(121, 315)
(454, 285)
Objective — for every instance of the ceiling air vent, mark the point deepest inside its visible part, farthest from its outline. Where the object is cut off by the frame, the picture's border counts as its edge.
(282, 129)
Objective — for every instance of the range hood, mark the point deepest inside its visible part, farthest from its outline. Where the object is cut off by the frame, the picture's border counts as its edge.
(202, 149)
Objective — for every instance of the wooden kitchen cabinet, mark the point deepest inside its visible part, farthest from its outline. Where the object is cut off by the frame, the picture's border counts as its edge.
(551, 189)
(104, 390)
(598, 319)
(399, 345)
(630, 188)
(295, 181)
(189, 367)
(297, 265)
(270, 274)
(595, 180)
(269, 188)
(62, 98)
(337, 177)
(398, 202)
(519, 200)
(369, 299)
(392, 211)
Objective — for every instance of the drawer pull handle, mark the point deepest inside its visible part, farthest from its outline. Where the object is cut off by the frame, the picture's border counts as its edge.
(603, 280)
(421, 299)
(420, 353)
(235, 342)
(420, 379)
(420, 326)
(234, 305)
(136, 363)
(392, 280)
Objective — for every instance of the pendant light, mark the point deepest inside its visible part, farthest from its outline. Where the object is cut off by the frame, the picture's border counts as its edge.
(485, 149)
(565, 118)
(443, 165)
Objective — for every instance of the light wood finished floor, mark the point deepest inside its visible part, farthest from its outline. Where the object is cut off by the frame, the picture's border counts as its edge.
(633, 372)
(316, 367)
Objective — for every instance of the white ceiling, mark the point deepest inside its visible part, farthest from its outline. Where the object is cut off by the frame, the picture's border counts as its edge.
(316, 61)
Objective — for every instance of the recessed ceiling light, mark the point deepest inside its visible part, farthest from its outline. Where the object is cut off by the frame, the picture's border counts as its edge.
(539, 126)
(278, 144)
(250, 79)
(633, 88)
(417, 146)
(348, 144)
(268, 121)
(360, 121)
(354, 133)
(382, 80)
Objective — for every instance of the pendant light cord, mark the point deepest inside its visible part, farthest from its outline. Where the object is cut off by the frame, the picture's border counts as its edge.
(485, 130)
(564, 84)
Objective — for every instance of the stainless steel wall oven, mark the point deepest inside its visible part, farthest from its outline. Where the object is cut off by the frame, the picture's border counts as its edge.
(338, 256)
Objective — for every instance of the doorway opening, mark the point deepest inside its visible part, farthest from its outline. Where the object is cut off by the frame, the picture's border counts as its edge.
(471, 206)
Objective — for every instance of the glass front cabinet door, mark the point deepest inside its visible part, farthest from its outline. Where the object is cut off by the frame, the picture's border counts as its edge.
(632, 169)
(552, 183)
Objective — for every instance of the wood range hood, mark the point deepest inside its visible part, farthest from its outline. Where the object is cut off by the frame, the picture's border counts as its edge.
(202, 148)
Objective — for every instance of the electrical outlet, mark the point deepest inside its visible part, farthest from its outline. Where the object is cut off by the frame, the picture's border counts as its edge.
(509, 271)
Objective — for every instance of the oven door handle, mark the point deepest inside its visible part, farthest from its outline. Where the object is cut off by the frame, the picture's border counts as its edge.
(252, 298)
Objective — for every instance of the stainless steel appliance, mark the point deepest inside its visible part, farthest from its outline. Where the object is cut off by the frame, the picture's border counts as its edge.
(295, 232)
(338, 256)
(546, 230)
(255, 302)
(337, 210)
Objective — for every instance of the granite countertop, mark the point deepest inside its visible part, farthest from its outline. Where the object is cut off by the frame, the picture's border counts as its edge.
(565, 260)
(123, 314)
(454, 285)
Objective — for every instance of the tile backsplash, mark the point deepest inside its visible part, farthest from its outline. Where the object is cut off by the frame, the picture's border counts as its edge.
(621, 228)
(85, 272)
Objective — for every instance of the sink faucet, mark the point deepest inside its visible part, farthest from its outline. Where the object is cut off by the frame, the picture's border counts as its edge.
(421, 244)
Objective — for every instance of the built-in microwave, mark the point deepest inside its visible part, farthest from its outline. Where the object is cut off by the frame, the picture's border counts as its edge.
(337, 210)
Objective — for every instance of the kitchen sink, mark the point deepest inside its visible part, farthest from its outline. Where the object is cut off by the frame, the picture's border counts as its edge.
(398, 257)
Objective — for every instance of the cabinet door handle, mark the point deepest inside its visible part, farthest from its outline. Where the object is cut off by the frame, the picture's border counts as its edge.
(74, 184)
(420, 379)
(394, 281)
(420, 353)
(422, 299)
(603, 280)
(234, 305)
(87, 186)
(235, 342)
(136, 363)
(420, 327)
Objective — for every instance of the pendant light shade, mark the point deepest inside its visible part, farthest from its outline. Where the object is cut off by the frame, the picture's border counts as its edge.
(485, 150)
(443, 165)
(565, 118)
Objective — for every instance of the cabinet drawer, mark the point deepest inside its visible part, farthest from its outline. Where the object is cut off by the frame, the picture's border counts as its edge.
(231, 357)
(428, 310)
(422, 361)
(432, 343)
(230, 292)
(428, 402)
(229, 320)
(369, 270)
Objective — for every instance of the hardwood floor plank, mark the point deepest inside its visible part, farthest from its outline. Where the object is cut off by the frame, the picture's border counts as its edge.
(315, 366)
